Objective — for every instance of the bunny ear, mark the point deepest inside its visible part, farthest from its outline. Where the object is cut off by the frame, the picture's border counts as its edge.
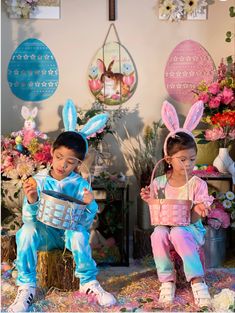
(25, 112)
(94, 124)
(34, 112)
(101, 65)
(69, 116)
(110, 65)
(194, 116)
(169, 116)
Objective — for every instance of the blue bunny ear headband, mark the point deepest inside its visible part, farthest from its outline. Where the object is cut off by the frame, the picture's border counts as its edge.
(93, 125)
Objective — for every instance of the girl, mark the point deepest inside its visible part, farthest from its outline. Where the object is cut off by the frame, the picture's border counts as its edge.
(180, 152)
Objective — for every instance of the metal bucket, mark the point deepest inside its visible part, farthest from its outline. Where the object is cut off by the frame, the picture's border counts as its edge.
(59, 210)
(215, 247)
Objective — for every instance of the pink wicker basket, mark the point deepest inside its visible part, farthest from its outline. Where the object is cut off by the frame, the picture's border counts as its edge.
(169, 212)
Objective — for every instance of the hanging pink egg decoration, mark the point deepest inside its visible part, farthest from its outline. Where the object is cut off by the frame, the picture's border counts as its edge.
(188, 64)
(112, 77)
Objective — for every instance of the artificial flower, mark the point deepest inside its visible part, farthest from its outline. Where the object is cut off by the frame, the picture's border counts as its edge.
(222, 213)
(22, 163)
(171, 9)
(219, 106)
(224, 301)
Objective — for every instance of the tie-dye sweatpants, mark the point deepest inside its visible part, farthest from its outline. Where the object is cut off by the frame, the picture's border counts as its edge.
(36, 236)
(186, 241)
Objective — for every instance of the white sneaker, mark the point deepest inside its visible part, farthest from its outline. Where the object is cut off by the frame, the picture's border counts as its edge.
(104, 298)
(201, 294)
(167, 292)
(23, 299)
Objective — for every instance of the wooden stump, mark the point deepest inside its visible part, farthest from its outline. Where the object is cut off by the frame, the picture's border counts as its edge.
(56, 269)
(8, 248)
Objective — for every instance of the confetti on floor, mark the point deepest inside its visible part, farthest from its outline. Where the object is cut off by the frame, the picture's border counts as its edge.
(137, 291)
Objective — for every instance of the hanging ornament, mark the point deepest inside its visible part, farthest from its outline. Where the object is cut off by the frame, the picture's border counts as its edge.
(112, 73)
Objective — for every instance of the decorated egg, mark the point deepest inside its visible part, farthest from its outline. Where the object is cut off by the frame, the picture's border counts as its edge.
(32, 71)
(188, 64)
(112, 77)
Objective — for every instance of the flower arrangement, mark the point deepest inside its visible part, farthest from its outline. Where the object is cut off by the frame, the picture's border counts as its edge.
(22, 163)
(20, 8)
(175, 10)
(219, 101)
(222, 213)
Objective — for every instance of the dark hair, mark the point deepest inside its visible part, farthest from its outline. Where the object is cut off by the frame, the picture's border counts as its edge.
(73, 141)
(181, 141)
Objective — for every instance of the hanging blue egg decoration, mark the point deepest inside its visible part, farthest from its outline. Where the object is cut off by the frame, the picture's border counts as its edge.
(32, 71)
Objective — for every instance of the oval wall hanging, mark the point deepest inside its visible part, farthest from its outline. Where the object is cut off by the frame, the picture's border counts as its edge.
(32, 71)
(188, 64)
(112, 75)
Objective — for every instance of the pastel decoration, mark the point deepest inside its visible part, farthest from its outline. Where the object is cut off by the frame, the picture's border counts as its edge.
(171, 120)
(93, 125)
(188, 64)
(33, 71)
(112, 77)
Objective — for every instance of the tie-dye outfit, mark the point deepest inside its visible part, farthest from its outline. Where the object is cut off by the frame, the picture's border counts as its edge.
(35, 236)
(185, 239)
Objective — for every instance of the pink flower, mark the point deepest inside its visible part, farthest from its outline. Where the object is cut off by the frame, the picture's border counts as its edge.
(214, 88)
(227, 95)
(129, 80)
(95, 84)
(215, 102)
(219, 213)
(214, 134)
(204, 97)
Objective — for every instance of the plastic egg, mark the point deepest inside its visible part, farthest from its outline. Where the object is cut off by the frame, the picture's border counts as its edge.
(112, 76)
(32, 71)
(188, 64)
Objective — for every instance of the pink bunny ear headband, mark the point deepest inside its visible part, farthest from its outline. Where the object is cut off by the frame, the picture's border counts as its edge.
(171, 120)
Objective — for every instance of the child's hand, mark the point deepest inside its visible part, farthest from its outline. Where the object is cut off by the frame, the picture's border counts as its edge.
(30, 190)
(88, 196)
(145, 193)
(201, 209)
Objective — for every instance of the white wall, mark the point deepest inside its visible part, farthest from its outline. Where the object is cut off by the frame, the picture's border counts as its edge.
(75, 38)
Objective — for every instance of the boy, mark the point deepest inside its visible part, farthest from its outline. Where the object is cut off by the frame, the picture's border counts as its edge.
(67, 150)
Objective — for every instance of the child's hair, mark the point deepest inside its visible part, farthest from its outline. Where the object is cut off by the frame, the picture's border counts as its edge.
(73, 141)
(180, 141)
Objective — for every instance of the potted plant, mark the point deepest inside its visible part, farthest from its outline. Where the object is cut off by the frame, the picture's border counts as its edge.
(220, 217)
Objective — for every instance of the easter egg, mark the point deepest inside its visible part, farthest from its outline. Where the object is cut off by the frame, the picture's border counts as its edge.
(32, 71)
(112, 76)
(188, 64)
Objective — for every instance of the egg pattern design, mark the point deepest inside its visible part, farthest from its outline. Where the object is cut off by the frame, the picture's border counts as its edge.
(112, 77)
(32, 71)
(188, 64)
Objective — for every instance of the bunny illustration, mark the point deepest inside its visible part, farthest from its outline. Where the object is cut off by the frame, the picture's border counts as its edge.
(113, 85)
(29, 131)
(171, 120)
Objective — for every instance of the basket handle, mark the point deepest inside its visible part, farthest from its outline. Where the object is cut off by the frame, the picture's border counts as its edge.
(152, 194)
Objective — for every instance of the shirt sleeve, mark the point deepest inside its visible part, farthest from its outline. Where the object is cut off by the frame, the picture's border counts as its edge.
(29, 212)
(201, 193)
(90, 211)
